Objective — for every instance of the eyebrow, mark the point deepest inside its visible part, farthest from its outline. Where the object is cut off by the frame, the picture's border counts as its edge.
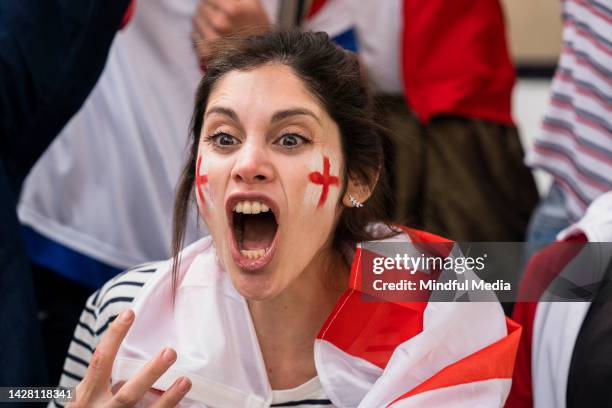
(284, 114)
(223, 111)
(277, 117)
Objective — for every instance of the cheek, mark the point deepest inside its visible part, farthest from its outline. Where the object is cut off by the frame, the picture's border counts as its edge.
(323, 182)
(203, 192)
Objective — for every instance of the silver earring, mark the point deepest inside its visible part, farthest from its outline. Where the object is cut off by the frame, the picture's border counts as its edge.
(354, 201)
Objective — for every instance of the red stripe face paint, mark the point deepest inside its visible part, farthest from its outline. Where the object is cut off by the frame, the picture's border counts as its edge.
(200, 180)
(324, 179)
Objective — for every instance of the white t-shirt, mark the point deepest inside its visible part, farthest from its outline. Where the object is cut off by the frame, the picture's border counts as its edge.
(310, 394)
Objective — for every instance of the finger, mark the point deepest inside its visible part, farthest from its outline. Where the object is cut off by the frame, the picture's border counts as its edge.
(203, 26)
(133, 390)
(216, 4)
(174, 394)
(216, 18)
(97, 376)
(228, 8)
(205, 34)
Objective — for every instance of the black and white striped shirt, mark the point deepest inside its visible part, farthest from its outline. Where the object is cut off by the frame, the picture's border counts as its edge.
(117, 295)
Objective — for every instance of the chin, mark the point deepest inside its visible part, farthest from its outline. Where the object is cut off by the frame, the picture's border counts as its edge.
(257, 287)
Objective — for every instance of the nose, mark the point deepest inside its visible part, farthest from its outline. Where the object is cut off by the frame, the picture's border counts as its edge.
(252, 165)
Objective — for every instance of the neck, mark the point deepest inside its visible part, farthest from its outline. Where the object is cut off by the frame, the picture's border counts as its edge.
(287, 324)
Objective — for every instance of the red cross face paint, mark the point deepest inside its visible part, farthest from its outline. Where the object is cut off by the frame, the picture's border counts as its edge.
(273, 165)
(324, 179)
(203, 195)
(200, 180)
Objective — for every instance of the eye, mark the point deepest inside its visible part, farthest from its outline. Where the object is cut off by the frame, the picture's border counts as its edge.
(291, 140)
(222, 140)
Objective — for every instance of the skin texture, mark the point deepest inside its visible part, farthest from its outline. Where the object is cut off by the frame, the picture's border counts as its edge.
(203, 194)
(247, 151)
(256, 159)
(323, 179)
(200, 181)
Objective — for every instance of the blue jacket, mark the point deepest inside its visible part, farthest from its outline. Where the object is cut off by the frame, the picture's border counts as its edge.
(51, 55)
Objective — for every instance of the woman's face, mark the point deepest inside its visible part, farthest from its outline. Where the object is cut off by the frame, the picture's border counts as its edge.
(268, 178)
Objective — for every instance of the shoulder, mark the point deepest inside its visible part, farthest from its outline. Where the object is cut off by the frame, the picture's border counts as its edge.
(100, 310)
(118, 294)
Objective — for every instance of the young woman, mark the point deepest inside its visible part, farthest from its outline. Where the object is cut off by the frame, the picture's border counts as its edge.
(284, 164)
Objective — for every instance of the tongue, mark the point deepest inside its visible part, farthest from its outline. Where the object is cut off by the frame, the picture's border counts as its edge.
(258, 232)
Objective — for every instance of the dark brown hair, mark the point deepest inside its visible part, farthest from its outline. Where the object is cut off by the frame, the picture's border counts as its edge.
(333, 76)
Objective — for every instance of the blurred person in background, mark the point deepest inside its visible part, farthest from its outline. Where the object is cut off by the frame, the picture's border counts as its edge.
(563, 357)
(51, 55)
(217, 18)
(444, 80)
(575, 142)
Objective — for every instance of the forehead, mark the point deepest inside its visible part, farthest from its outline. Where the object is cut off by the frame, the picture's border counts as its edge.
(264, 90)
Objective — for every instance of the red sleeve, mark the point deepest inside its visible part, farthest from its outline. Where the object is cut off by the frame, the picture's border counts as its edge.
(455, 59)
(315, 7)
(127, 16)
(541, 270)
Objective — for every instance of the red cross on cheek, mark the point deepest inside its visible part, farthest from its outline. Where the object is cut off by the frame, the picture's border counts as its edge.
(324, 179)
(200, 180)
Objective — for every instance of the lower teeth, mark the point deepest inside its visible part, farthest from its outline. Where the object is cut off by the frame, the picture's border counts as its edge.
(253, 253)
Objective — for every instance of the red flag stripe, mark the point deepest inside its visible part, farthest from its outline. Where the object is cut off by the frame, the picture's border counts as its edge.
(494, 361)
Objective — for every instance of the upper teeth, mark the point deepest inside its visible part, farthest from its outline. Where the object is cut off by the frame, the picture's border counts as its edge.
(251, 207)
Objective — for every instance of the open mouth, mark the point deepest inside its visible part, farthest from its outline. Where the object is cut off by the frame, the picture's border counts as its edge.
(254, 230)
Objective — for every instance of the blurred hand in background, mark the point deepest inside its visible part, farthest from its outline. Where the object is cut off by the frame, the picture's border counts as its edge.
(219, 18)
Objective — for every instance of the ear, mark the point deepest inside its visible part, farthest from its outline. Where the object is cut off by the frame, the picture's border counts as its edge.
(359, 189)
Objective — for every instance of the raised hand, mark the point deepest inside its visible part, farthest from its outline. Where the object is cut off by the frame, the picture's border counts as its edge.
(218, 18)
(95, 389)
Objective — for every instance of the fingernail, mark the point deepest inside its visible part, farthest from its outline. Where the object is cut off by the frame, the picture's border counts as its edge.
(168, 355)
(184, 385)
(126, 316)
